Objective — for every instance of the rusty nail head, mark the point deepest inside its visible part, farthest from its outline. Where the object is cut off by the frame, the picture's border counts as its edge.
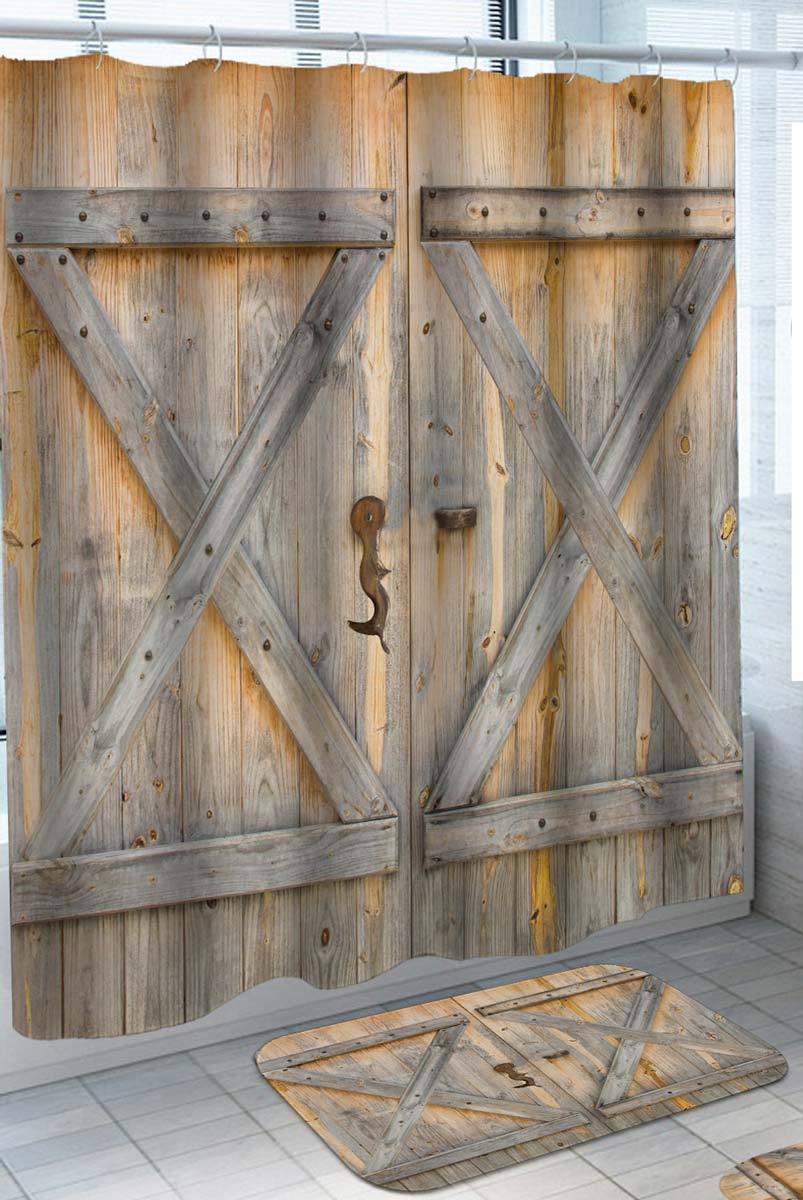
(593, 816)
(148, 655)
(82, 216)
(143, 216)
(485, 210)
(344, 258)
(265, 215)
(84, 332)
(542, 211)
(483, 317)
(205, 214)
(20, 259)
(208, 548)
(641, 212)
(687, 212)
(382, 255)
(321, 215)
(266, 644)
(327, 323)
(62, 259)
(542, 822)
(384, 235)
(692, 308)
(433, 233)
(433, 193)
(383, 195)
(17, 237)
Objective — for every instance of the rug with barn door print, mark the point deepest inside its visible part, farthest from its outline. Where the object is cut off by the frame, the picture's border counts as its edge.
(775, 1176)
(445, 1091)
(370, 523)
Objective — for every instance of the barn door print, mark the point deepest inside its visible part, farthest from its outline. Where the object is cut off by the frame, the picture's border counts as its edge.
(370, 523)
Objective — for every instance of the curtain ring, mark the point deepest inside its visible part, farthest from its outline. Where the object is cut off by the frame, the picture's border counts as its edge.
(215, 36)
(361, 44)
(573, 75)
(729, 56)
(468, 44)
(659, 76)
(95, 32)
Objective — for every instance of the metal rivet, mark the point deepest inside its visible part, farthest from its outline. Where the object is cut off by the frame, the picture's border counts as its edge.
(433, 233)
(384, 235)
(383, 195)
(17, 237)
(692, 308)
(687, 212)
(485, 210)
(344, 258)
(382, 255)
(62, 259)
(266, 644)
(592, 816)
(84, 332)
(321, 215)
(433, 193)
(143, 216)
(641, 212)
(82, 216)
(483, 317)
(208, 548)
(327, 323)
(265, 215)
(542, 822)
(20, 259)
(148, 655)
(205, 214)
(542, 211)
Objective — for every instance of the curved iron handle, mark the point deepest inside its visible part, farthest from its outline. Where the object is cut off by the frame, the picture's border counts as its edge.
(367, 519)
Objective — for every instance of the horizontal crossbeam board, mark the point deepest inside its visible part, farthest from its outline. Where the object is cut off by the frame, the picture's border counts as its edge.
(582, 814)
(199, 217)
(560, 214)
(123, 880)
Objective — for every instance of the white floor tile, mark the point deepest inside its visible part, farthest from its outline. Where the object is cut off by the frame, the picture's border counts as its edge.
(36, 1129)
(8, 1187)
(685, 1169)
(219, 1162)
(271, 1180)
(136, 1183)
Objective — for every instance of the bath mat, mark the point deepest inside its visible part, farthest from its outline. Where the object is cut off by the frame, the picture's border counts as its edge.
(445, 1091)
(775, 1176)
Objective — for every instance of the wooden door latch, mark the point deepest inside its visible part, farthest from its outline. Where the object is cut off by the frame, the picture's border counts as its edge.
(367, 519)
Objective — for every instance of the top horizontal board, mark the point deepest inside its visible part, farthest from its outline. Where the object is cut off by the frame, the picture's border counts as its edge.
(200, 217)
(591, 214)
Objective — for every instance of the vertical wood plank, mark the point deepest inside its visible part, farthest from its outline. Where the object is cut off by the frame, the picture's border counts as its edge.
(28, 358)
(327, 567)
(436, 480)
(540, 730)
(589, 328)
(639, 705)
(268, 310)
(207, 421)
(144, 310)
(91, 465)
(381, 468)
(726, 833)
(687, 483)
(490, 442)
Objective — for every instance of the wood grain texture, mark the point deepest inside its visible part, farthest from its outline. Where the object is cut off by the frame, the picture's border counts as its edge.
(359, 1082)
(198, 216)
(774, 1176)
(626, 211)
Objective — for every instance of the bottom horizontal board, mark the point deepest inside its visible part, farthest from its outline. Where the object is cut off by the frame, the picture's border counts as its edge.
(428, 1096)
(775, 1176)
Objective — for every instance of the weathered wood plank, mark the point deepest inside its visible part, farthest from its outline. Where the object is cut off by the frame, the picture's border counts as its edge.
(577, 988)
(582, 814)
(193, 216)
(583, 496)
(628, 1052)
(362, 1042)
(772, 1188)
(123, 880)
(585, 1030)
(551, 597)
(205, 550)
(141, 418)
(414, 1099)
(699, 1083)
(565, 213)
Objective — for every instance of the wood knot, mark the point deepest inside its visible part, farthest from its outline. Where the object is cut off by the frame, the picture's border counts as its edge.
(325, 937)
(728, 524)
(685, 615)
(684, 444)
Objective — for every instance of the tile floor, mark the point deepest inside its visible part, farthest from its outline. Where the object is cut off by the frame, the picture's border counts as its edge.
(202, 1125)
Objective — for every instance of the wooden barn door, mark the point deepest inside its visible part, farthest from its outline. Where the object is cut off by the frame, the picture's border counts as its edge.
(186, 825)
(575, 716)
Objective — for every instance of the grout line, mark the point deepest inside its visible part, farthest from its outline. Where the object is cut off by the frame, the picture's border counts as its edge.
(16, 1179)
(137, 1146)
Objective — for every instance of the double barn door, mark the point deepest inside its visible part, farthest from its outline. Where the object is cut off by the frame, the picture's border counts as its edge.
(325, 643)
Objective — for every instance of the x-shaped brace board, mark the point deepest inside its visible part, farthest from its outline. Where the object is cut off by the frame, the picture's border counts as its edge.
(592, 533)
(633, 1035)
(210, 524)
(380, 1163)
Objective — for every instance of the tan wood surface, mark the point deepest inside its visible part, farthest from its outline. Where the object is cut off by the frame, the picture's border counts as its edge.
(453, 1089)
(775, 1176)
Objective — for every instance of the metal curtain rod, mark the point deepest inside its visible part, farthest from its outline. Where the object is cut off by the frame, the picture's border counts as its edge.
(197, 35)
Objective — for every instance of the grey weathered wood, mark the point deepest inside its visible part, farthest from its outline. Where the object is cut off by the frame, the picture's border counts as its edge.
(774, 1188)
(126, 880)
(141, 418)
(392, 1089)
(558, 582)
(429, 1162)
(584, 499)
(175, 217)
(414, 1098)
(582, 814)
(559, 993)
(628, 1053)
(583, 1030)
(365, 1042)
(697, 1084)
(563, 213)
(205, 551)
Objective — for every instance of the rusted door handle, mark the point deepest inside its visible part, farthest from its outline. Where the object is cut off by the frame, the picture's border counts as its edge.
(367, 519)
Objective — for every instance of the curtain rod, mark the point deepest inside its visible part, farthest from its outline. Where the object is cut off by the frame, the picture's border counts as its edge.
(466, 47)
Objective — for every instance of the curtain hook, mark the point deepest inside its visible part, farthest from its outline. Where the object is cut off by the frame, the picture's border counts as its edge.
(728, 56)
(573, 75)
(358, 43)
(215, 36)
(659, 76)
(468, 44)
(96, 32)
